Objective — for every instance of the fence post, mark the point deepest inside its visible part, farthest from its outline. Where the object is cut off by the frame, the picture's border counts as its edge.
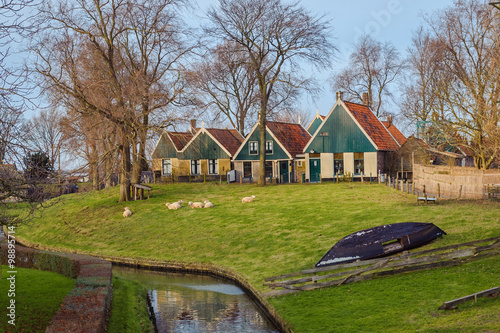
(439, 191)
(241, 179)
(460, 192)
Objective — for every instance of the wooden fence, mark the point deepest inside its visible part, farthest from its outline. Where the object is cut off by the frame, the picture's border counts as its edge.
(454, 182)
(369, 269)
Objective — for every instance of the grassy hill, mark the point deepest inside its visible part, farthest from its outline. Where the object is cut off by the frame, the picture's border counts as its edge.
(287, 228)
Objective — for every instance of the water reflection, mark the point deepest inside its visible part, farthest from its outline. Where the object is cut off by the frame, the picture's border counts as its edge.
(194, 303)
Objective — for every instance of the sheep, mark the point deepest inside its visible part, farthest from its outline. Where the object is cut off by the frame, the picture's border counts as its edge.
(248, 199)
(175, 205)
(127, 212)
(208, 204)
(195, 204)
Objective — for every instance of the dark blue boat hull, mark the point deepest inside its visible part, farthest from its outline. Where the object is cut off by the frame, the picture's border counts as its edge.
(380, 241)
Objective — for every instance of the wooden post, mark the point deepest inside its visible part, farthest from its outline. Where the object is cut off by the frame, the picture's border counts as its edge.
(320, 180)
(220, 179)
(241, 179)
(362, 177)
(424, 190)
(460, 192)
(439, 191)
(370, 177)
(204, 178)
(337, 177)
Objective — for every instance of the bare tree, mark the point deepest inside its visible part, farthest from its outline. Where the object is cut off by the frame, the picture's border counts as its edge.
(45, 134)
(468, 37)
(113, 59)
(275, 36)
(373, 67)
(226, 85)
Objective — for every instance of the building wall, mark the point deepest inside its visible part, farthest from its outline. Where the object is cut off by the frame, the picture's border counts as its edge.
(349, 163)
(327, 165)
(340, 133)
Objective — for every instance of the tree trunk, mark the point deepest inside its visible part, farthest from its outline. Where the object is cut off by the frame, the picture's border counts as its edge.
(262, 155)
(125, 167)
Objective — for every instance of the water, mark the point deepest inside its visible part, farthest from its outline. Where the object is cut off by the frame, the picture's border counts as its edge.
(187, 303)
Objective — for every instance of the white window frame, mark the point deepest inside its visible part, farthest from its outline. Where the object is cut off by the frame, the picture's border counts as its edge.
(197, 165)
(269, 144)
(166, 163)
(213, 167)
(256, 148)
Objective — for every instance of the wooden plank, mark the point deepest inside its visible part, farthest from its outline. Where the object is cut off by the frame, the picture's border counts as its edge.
(453, 304)
(396, 257)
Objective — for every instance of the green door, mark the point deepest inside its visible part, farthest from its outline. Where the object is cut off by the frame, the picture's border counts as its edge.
(284, 171)
(314, 170)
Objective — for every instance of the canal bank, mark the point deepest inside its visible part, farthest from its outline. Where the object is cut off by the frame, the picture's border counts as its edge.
(213, 271)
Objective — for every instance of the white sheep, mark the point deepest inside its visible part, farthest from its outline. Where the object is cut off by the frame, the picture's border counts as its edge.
(208, 204)
(195, 204)
(248, 199)
(127, 212)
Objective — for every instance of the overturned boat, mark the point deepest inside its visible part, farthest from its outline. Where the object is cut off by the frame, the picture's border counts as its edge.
(380, 241)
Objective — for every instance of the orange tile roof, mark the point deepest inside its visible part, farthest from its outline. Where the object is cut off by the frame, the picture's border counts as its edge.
(293, 137)
(180, 139)
(231, 139)
(372, 126)
(396, 134)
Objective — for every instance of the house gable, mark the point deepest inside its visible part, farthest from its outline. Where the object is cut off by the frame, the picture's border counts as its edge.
(203, 146)
(243, 153)
(315, 124)
(165, 147)
(340, 132)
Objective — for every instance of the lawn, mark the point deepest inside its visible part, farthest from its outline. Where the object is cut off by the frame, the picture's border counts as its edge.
(38, 296)
(287, 228)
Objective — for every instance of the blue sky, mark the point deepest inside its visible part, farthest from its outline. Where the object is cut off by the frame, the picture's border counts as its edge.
(384, 20)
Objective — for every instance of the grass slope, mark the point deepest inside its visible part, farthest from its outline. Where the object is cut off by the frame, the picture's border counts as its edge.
(287, 228)
(38, 296)
(129, 312)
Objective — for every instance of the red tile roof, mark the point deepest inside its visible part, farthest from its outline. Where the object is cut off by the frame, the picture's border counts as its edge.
(396, 134)
(231, 139)
(180, 139)
(372, 126)
(293, 137)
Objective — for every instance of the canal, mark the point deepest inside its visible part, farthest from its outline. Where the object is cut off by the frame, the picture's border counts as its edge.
(188, 303)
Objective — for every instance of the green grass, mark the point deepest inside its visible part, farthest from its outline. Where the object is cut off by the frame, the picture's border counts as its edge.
(38, 297)
(129, 308)
(287, 228)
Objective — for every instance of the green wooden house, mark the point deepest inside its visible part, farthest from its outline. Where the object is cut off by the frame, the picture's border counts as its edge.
(200, 154)
(284, 158)
(315, 123)
(350, 141)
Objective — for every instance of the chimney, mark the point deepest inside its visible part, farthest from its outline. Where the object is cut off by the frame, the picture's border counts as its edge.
(366, 99)
(340, 95)
(389, 119)
(192, 127)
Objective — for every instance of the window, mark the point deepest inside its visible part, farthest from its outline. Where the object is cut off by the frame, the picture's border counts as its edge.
(269, 169)
(269, 147)
(247, 169)
(195, 167)
(299, 163)
(166, 167)
(252, 148)
(213, 167)
(359, 163)
(338, 163)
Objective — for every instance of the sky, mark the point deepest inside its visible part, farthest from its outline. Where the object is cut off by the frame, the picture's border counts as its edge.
(385, 20)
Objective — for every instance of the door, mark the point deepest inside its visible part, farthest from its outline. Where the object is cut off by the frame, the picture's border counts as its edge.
(314, 170)
(284, 171)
